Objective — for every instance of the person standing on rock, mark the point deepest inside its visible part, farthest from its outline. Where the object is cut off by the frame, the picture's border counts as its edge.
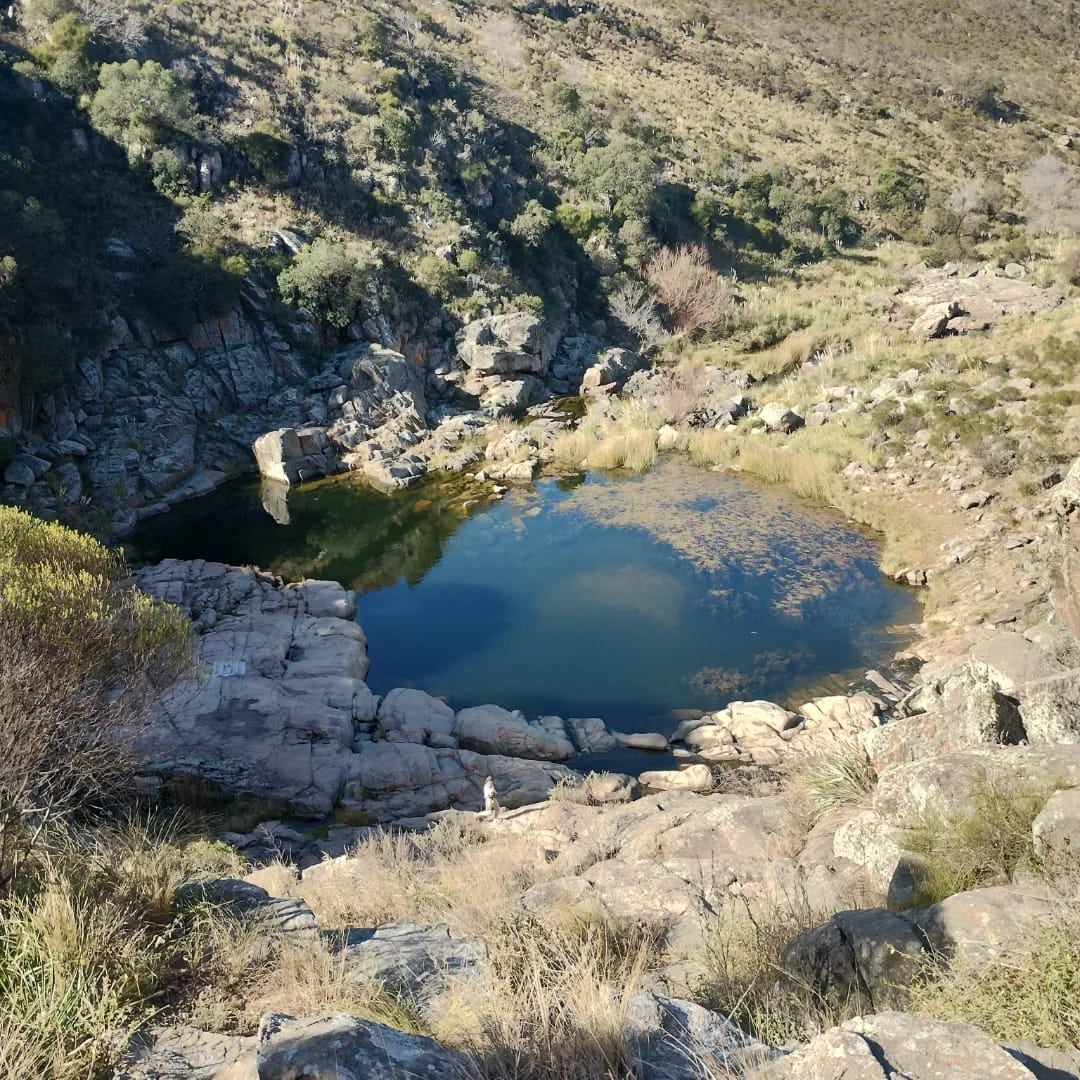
(491, 798)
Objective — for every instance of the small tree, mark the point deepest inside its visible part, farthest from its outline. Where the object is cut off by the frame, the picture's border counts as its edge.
(695, 295)
(140, 104)
(1051, 188)
(622, 174)
(82, 653)
(328, 281)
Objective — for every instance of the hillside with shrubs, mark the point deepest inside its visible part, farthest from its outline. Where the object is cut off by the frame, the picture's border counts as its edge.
(454, 160)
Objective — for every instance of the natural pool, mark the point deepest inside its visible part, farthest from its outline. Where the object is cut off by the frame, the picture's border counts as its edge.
(612, 596)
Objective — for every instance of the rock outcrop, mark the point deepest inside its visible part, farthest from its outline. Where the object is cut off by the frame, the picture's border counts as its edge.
(279, 710)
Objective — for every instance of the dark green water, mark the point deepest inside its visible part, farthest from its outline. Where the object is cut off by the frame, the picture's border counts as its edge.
(623, 598)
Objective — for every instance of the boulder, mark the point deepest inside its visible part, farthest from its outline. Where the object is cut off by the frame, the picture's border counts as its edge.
(19, 473)
(611, 371)
(411, 716)
(670, 1039)
(846, 714)
(642, 740)
(891, 1045)
(1056, 831)
(251, 904)
(1050, 708)
(506, 344)
(273, 709)
(345, 1048)
(934, 321)
(291, 455)
(692, 778)
(489, 729)
(779, 418)
(869, 957)
(983, 923)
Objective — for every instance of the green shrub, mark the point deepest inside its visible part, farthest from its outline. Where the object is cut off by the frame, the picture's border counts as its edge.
(532, 225)
(66, 740)
(268, 150)
(170, 175)
(140, 105)
(64, 54)
(184, 288)
(899, 190)
(982, 843)
(438, 276)
(397, 126)
(327, 280)
(621, 172)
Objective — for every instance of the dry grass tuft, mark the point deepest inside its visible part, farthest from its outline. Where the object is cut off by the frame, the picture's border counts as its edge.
(452, 874)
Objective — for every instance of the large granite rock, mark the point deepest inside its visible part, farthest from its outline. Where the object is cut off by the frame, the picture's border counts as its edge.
(380, 402)
(186, 1053)
(489, 729)
(273, 710)
(507, 344)
(611, 370)
(291, 455)
(1056, 831)
(891, 1045)
(279, 916)
(869, 957)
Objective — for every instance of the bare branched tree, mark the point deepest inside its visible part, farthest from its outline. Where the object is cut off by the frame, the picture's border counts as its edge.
(695, 295)
(635, 308)
(1052, 190)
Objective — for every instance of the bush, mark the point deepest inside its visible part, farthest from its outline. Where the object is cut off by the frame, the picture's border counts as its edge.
(1032, 995)
(140, 104)
(397, 128)
(532, 225)
(64, 54)
(1051, 189)
(900, 191)
(438, 276)
(695, 295)
(622, 174)
(984, 843)
(268, 150)
(327, 280)
(184, 288)
(83, 655)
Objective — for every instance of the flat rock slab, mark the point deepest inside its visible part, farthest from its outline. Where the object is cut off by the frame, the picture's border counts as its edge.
(250, 903)
(408, 959)
(185, 1053)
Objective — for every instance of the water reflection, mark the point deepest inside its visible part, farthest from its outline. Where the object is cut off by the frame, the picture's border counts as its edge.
(621, 598)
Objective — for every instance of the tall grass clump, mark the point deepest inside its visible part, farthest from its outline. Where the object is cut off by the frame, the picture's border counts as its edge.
(1031, 994)
(558, 1002)
(86, 942)
(454, 874)
(982, 843)
(739, 974)
(841, 779)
